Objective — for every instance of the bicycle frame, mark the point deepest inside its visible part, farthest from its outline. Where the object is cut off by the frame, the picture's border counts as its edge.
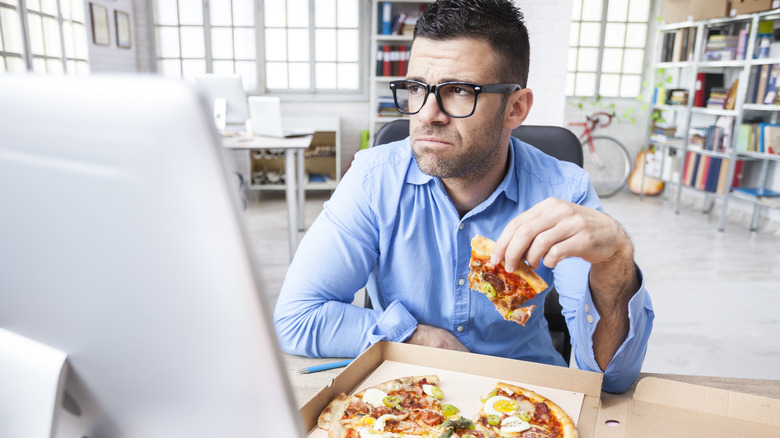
(590, 125)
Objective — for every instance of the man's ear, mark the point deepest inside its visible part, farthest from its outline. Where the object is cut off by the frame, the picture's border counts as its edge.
(518, 107)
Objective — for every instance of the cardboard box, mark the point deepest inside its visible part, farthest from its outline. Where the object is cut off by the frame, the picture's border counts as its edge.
(739, 7)
(657, 407)
(674, 11)
(708, 9)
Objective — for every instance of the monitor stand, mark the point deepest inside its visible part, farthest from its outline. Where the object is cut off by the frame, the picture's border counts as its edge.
(32, 380)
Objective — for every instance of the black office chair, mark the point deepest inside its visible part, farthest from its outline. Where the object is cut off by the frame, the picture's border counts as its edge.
(553, 140)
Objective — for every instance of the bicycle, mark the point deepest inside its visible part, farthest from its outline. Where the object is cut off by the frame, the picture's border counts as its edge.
(604, 158)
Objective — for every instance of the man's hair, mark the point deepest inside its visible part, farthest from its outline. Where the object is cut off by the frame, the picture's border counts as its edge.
(497, 22)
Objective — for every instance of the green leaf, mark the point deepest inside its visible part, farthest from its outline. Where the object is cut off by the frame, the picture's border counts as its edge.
(579, 105)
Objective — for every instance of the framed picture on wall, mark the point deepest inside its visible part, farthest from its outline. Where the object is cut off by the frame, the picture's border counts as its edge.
(122, 29)
(100, 33)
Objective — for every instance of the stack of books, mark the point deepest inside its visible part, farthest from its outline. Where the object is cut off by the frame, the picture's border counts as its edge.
(721, 47)
(717, 98)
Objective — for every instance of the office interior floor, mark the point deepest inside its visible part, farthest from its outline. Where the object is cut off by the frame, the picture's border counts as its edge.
(716, 295)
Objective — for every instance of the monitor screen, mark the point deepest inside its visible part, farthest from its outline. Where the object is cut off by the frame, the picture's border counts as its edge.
(230, 88)
(123, 246)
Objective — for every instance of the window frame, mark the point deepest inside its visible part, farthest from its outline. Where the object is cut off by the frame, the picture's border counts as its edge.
(308, 94)
(647, 49)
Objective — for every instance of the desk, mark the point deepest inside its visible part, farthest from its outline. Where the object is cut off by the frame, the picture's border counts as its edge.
(305, 386)
(293, 181)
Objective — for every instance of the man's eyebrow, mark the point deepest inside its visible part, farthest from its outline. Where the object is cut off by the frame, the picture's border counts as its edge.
(416, 78)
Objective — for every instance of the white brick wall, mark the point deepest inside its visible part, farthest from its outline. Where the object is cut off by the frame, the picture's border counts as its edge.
(111, 58)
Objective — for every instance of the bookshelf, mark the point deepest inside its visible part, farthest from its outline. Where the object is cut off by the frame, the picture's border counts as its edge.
(392, 26)
(707, 79)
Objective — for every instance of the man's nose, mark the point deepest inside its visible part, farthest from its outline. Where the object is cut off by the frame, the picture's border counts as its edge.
(430, 113)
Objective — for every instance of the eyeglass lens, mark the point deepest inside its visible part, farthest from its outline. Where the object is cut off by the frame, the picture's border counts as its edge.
(456, 100)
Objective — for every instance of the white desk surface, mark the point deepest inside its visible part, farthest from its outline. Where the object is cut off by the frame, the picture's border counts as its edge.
(261, 142)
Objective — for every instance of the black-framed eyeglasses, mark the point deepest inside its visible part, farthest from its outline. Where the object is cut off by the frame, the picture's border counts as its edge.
(455, 99)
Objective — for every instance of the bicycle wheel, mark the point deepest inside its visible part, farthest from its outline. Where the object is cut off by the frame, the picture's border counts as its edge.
(609, 165)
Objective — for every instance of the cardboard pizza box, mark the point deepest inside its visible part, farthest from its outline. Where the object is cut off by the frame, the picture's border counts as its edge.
(565, 381)
(657, 407)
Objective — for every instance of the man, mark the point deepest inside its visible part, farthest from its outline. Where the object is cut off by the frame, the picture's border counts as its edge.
(402, 219)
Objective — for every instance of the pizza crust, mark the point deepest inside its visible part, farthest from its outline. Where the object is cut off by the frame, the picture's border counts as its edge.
(569, 430)
(484, 248)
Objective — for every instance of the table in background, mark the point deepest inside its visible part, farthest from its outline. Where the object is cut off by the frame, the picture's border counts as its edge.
(294, 148)
(305, 386)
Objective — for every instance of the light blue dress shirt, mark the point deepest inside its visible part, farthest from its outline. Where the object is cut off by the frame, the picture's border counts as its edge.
(393, 228)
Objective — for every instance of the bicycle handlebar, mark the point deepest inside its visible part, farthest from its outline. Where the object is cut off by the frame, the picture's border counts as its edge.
(595, 119)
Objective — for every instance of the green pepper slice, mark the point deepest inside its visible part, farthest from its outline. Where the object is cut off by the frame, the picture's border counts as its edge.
(449, 410)
(493, 420)
(392, 401)
(488, 290)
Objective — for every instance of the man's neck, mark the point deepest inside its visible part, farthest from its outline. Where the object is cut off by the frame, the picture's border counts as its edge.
(470, 191)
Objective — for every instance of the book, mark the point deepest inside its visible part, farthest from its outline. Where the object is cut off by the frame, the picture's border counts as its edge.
(387, 18)
(731, 96)
(763, 78)
(770, 139)
(758, 191)
(769, 98)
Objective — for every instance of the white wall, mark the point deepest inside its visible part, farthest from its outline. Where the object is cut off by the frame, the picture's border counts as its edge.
(111, 58)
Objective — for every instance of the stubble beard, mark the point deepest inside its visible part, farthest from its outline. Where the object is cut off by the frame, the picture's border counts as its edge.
(471, 161)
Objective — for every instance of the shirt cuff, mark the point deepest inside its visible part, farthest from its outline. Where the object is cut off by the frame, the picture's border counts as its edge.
(395, 324)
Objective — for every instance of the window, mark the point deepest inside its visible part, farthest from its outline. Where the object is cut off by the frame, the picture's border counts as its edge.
(297, 46)
(56, 36)
(607, 47)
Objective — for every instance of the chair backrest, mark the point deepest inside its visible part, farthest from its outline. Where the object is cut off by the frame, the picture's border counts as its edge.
(553, 140)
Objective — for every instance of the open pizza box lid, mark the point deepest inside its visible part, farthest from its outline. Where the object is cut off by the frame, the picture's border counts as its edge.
(658, 407)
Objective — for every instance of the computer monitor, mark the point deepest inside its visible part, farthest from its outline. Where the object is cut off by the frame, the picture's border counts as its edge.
(231, 89)
(122, 245)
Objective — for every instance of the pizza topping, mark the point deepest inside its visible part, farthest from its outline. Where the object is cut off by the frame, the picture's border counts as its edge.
(514, 424)
(493, 419)
(392, 401)
(374, 397)
(449, 410)
(433, 391)
(494, 281)
(379, 424)
(501, 406)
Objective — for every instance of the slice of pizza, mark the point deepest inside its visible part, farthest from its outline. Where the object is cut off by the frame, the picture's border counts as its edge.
(408, 406)
(508, 291)
(512, 411)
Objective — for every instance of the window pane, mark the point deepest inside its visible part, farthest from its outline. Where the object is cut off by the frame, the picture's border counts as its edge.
(39, 65)
(34, 5)
(590, 33)
(298, 15)
(66, 9)
(617, 10)
(576, 10)
(634, 61)
(193, 42)
(275, 45)
(586, 84)
(167, 13)
(587, 60)
(325, 45)
(349, 12)
(637, 35)
(244, 12)
(77, 9)
(82, 67)
(630, 86)
(51, 32)
(612, 61)
(192, 68)
(348, 45)
(10, 2)
(55, 66)
(190, 12)
(80, 40)
(12, 32)
(36, 35)
(298, 44)
(591, 10)
(245, 43)
(14, 65)
(49, 7)
(349, 76)
(222, 43)
(223, 67)
(615, 35)
(639, 10)
(275, 14)
(276, 73)
(571, 64)
(248, 72)
(72, 67)
(574, 34)
(168, 42)
(326, 75)
(610, 85)
(70, 44)
(219, 12)
(299, 76)
(2, 63)
(1, 44)
(570, 84)
(325, 14)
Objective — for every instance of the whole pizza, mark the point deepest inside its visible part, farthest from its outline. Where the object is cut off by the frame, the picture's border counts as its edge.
(415, 407)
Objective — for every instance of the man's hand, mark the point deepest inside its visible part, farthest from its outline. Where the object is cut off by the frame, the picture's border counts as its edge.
(435, 337)
(553, 230)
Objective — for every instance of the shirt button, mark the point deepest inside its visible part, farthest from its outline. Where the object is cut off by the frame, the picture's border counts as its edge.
(462, 226)
(460, 328)
(590, 319)
(461, 282)
(587, 308)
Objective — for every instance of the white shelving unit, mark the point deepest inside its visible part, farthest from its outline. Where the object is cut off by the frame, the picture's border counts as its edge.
(684, 75)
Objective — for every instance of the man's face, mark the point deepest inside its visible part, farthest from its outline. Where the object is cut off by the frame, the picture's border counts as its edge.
(449, 147)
